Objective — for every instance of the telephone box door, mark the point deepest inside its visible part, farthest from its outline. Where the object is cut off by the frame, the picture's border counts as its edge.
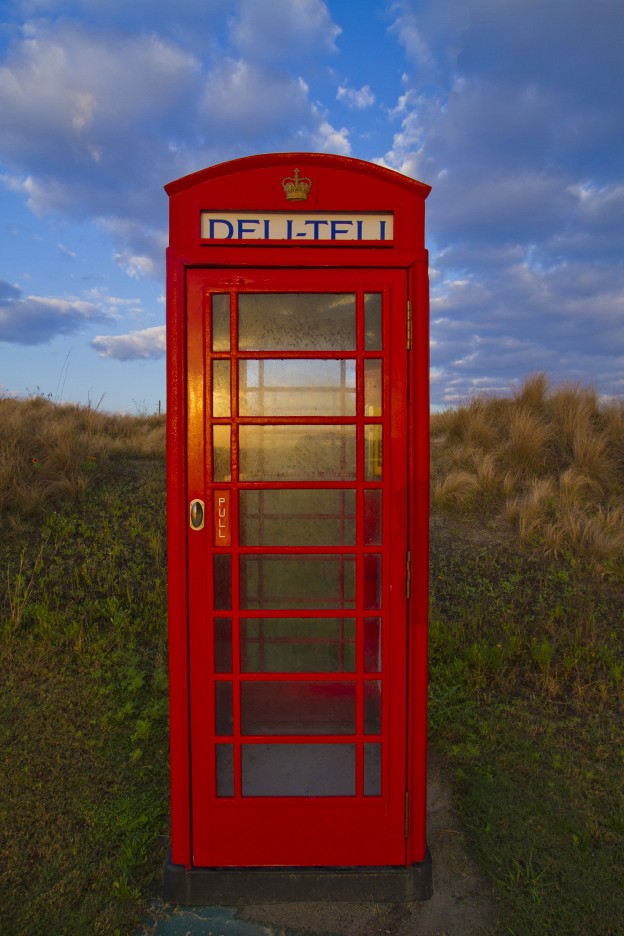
(297, 458)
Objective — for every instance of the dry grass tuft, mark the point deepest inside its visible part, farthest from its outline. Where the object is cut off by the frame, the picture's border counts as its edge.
(457, 489)
(548, 460)
(525, 449)
(49, 453)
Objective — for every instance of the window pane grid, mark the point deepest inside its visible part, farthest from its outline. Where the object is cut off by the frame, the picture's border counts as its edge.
(352, 640)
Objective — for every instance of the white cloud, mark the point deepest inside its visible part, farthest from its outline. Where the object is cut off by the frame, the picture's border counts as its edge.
(34, 320)
(136, 266)
(139, 345)
(359, 99)
(279, 31)
(326, 139)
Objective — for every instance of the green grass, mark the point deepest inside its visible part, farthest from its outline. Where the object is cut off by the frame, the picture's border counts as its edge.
(526, 696)
(83, 709)
(526, 708)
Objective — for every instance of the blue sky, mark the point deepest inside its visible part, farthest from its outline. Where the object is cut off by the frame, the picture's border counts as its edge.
(512, 110)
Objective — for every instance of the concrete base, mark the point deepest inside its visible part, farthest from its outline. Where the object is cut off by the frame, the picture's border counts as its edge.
(240, 886)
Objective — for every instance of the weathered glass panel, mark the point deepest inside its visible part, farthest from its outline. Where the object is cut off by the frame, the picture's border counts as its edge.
(297, 708)
(297, 581)
(372, 322)
(298, 769)
(289, 517)
(221, 322)
(297, 453)
(297, 645)
(296, 321)
(296, 388)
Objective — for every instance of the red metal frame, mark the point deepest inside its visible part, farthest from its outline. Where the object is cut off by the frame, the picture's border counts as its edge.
(194, 266)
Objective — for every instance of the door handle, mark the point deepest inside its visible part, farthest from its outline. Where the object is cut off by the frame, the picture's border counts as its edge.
(197, 514)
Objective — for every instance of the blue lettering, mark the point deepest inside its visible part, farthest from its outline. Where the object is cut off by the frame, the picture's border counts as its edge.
(289, 227)
(315, 227)
(243, 227)
(336, 230)
(267, 222)
(359, 225)
(229, 227)
(382, 230)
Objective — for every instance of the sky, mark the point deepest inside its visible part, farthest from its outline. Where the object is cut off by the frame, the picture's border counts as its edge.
(511, 110)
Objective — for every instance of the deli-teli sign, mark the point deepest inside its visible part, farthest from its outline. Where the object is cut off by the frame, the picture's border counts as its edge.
(282, 226)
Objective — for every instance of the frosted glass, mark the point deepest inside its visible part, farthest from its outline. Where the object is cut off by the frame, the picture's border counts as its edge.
(221, 470)
(297, 388)
(223, 645)
(372, 645)
(297, 453)
(297, 708)
(313, 517)
(296, 322)
(373, 453)
(221, 388)
(372, 769)
(372, 707)
(297, 645)
(372, 322)
(222, 564)
(221, 322)
(298, 769)
(372, 387)
(297, 581)
(224, 755)
(372, 517)
(224, 709)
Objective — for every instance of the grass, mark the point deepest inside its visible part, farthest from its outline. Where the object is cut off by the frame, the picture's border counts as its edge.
(83, 710)
(527, 659)
(550, 461)
(527, 649)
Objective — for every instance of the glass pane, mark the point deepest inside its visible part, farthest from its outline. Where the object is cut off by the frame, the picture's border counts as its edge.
(296, 322)
(372, 581)
(295, 708)
(221, 470)
(372, 707)
(372, 387)
(297, 645)
(225, 769)
(372, 645)
(221, 322)
(317, 517)
(297, 581)
(297, 388)
(372, 453)
(223, 645)
(222, 582)
(220, 388)
(372, 322)
(372, 518)
(372, 769)
(298, 769)
(224, 711)
(297, 453)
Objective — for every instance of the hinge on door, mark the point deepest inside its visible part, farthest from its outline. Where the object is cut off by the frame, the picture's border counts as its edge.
(407, 814)
(408, 573)
(409, 325)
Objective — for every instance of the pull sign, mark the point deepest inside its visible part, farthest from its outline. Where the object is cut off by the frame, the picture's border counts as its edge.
(222, 522)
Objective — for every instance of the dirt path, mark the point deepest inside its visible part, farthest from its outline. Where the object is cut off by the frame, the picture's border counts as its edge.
(461, 904)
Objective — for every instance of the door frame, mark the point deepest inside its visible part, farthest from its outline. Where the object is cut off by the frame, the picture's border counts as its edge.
(351, 845)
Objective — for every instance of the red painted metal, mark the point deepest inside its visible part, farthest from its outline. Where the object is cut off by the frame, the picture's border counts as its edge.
(236, 830)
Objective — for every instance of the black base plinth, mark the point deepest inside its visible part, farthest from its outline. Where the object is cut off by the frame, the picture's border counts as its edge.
(235, 887)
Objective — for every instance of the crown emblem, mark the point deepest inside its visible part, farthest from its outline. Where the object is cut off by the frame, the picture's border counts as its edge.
(297, 188)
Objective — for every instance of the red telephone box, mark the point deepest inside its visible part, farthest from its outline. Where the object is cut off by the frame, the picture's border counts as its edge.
(298, 485)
